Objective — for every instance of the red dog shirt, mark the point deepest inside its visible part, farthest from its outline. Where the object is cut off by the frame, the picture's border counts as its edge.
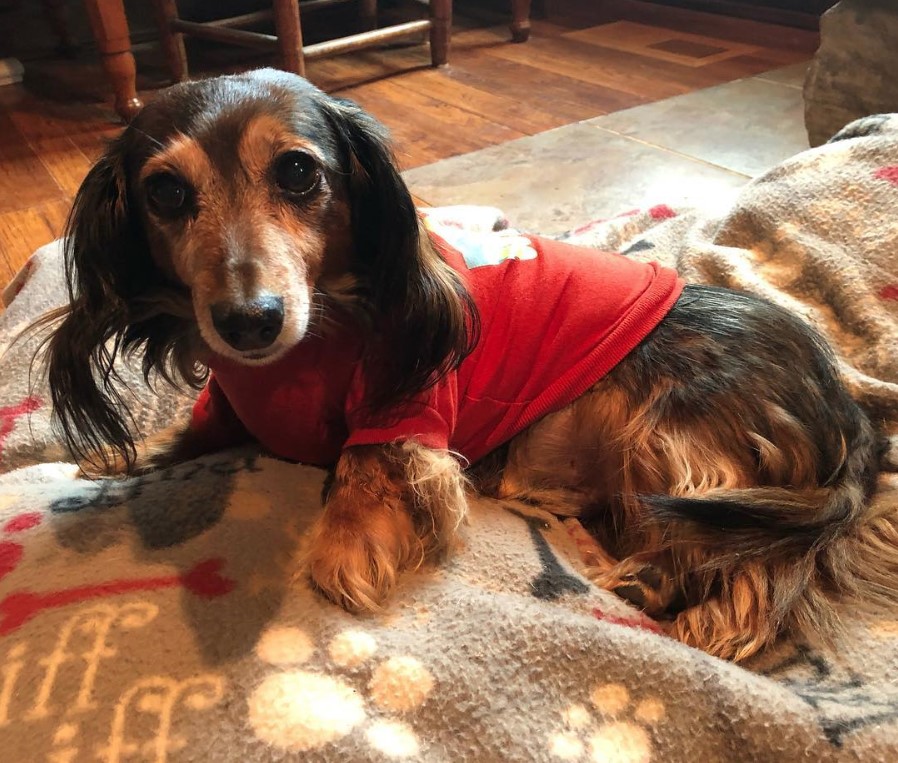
(554, 319)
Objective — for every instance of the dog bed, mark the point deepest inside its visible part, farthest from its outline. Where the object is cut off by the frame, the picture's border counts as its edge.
(154, 619)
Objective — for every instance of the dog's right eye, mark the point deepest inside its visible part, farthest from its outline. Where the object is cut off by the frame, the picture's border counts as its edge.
(297, 173)
(167, 195)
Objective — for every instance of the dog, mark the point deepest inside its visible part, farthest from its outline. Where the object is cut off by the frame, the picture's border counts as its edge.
(252, 225)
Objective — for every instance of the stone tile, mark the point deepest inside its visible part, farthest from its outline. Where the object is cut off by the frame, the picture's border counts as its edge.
(746, 126)
(563, 178)
(788, 75)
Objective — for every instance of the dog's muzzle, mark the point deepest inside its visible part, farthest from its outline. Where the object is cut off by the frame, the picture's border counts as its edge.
(249, 326)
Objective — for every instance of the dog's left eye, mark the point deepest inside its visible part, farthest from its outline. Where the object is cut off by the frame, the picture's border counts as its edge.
(168, 195)
(296, 172)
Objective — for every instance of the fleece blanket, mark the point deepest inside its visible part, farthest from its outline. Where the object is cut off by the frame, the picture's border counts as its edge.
(154, 619)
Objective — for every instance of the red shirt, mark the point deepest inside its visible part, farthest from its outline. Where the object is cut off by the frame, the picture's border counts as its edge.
(554, 319)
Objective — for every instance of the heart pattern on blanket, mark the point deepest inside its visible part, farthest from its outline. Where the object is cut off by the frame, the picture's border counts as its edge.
(889, 174)
(10, 556)
(203, 580)
(661, 212)
(10, 552)
(10, 414)
(23, 522)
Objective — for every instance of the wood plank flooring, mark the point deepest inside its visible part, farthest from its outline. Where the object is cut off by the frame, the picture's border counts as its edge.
(581, 63)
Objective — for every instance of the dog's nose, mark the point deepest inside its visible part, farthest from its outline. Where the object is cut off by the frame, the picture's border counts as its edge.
(250, 326)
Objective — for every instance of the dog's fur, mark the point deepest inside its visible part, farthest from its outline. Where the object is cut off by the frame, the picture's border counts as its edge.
(722, 462)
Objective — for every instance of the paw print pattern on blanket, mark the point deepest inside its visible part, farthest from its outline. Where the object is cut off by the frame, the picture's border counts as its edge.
(302, 710)
(615, 739)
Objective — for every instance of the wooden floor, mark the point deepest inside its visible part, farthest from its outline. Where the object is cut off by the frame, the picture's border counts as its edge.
(577, 65)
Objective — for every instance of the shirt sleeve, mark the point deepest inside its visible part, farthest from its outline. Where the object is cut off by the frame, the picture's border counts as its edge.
(213, 420)
(428, 418)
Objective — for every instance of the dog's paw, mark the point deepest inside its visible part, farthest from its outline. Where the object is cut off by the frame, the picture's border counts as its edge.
(644, 585)
(356, 565)
(358, 579)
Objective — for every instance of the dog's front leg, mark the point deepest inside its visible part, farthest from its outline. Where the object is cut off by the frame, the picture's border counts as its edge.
(170, 446)
(389, 508)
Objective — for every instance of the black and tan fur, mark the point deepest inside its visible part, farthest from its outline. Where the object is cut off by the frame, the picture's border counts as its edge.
(723, 465)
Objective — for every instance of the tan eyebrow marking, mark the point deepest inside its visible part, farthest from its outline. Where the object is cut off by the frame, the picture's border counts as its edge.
(184, 156)
(264, 137)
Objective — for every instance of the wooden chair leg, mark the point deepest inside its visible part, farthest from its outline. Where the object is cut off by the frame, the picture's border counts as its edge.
(368, 15)
(57, 14)
(110, 29)
(172, 42)
(440, 31)
(520, 20)
(288, 28)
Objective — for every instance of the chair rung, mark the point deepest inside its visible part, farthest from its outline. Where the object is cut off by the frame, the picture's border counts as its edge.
(244, 20)
(223, 34)
(314, 5)
(365, 39)
(318, 50)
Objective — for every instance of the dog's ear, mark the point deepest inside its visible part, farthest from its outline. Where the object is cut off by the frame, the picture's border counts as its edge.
(104, 245)
(428, 317)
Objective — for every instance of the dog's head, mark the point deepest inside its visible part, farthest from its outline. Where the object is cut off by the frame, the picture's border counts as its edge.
(234, 217)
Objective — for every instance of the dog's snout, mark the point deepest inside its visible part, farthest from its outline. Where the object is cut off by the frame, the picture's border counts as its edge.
(249, 326)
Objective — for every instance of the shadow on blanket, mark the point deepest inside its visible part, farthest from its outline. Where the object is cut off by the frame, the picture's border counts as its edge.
(173, 508)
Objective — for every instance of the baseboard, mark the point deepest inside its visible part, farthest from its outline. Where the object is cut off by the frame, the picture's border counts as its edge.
(803, 19)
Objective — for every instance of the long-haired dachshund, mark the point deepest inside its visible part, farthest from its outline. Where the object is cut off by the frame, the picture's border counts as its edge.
(253, 226)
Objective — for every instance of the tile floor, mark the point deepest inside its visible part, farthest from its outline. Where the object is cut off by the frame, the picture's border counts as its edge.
(663, 152)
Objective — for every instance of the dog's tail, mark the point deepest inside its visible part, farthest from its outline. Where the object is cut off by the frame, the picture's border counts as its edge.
(817, 545)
